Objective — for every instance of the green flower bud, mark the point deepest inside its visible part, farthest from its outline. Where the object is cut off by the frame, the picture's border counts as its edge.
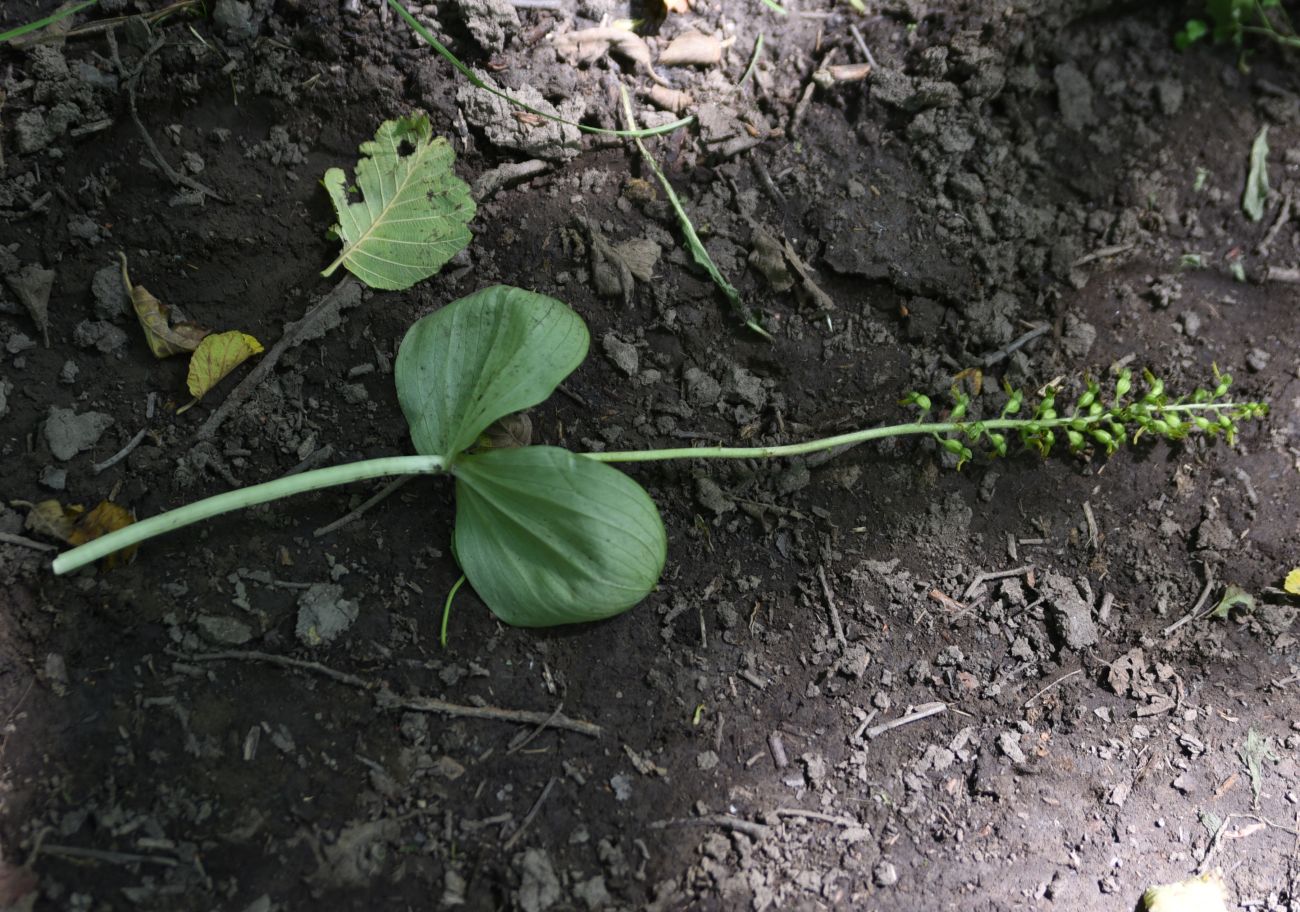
(1123, 384)
(1075, 439)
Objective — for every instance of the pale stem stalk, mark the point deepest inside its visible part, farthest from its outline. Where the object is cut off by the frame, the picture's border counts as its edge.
(245, 497)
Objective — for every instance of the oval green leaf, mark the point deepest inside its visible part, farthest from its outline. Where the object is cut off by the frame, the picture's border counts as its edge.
(414, 210)
(480, 358)
(547, 537)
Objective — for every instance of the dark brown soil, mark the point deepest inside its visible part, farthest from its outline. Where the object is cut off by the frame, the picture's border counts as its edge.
(1002, 168)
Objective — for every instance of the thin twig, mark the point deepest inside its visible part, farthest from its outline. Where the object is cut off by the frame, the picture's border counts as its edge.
(122, 858)
(1102, 253)
(384, 492)
(836, 626)
(532, 813)
(1283, 216)
(862, 45)
(1050, 686)
(492, 713)
(816, 815)
(1196, 609)
(130, 80)
(725, 821)
(10, 538)
(389, 700)
(312, 325)
(1094, 537)
(924, 711)
(523, 739)
(1007, 351)
(983, 578)
(1283, 274)
(131, 444)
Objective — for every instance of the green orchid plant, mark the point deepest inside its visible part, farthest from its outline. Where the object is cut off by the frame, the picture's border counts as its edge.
(544, 535)
(547, 536)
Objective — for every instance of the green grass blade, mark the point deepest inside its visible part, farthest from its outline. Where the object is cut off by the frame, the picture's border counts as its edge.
(49, 20)
(693, 242)
(465, 71)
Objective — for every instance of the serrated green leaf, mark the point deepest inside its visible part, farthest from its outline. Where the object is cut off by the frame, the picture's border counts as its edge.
(414, 210)
(497, 351)
(1252, 202)
(547, 537)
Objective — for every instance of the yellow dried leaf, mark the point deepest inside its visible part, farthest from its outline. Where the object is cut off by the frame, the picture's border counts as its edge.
(52, 519)
(165, 338)
(216, 356)
(1292, 583)
(105, 518)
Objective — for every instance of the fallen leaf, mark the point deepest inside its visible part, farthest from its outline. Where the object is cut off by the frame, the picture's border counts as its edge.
(508, 433)
(52, 519)
(216, 356)
(32, 285)
(105, 518)
(1206, 893)
(674, 100)
(1233, 597)
(1252, 201)
(165, 329)
(677, 6)
(1292, 584)
(692, 49)
(586, 45)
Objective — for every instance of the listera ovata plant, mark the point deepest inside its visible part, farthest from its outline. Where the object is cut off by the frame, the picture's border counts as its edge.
(547, 536)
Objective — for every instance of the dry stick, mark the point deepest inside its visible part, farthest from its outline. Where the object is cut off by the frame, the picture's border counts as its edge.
(862, 45)
(1283, 274)
(1050, 686)
(532, 813)
(9, 538)
(983, 578)
(1093, 535)
(384, 492)
(1196, 609)
(172, 175)
(131, 444)
(835, 612)
(924, 711)
(523, 739)
(1102, 253)
(725, 821)
(520, 716)
(345, 295)
(1223, 827)
(123, 858)
(1007, 351)
(389, 700)
(816, 815)
(1283, 216)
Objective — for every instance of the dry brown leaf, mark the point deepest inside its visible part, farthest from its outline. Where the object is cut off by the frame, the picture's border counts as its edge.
(105, 518)
(586, 45)
(32, 285)
(216, 356)
(677, 6)
(52, 519)
(674, 100)
(692, 49)
(165, 337)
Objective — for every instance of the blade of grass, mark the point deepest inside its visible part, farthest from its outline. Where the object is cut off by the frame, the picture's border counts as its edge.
(693, 242)
(753, 62)
(469, 74)
(49, 20)
(776, 7)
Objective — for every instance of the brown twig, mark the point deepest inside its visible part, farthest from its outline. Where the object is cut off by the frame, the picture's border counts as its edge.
(313, 324)
(532, 813)
(725, 821)
(836, 626)
(389, 700)
(384, 492)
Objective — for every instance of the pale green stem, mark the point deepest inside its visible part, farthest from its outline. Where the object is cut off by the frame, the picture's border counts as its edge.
(433, 465)
(876, 433)
(245, 497)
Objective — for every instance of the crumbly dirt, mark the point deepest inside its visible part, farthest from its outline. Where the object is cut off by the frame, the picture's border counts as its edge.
(180, 733)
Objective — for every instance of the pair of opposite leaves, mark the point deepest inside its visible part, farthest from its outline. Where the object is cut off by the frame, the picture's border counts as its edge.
(544, 535)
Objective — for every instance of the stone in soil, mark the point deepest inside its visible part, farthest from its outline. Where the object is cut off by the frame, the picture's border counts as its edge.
(1069, 616)
(323, 614)
(68, 433)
